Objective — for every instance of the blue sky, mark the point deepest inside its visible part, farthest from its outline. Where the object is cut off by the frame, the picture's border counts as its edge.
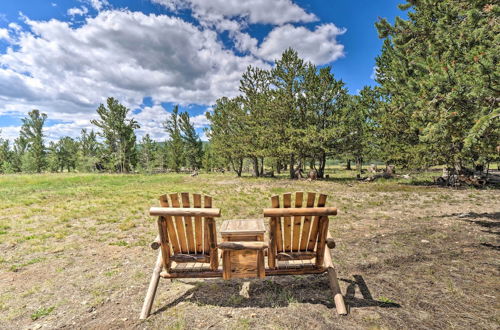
(65, 57)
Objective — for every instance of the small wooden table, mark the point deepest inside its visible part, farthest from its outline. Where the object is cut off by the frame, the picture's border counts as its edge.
(243, 263)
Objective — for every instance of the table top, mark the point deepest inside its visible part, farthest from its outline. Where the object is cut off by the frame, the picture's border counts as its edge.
(243, 226)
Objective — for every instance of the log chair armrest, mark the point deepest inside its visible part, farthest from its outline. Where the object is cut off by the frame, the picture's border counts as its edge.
(184, 211)
(298, 211)
(242, 246)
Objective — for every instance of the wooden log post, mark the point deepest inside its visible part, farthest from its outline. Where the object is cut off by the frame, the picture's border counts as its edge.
(164, 242)
(155, 245)
(153, 285)
(271, 255)
(321, 243)
(334, 282)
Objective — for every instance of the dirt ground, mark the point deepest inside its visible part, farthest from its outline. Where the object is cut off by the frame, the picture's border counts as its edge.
(75, 254)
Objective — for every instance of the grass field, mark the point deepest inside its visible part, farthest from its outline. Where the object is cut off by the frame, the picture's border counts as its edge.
(75, 253)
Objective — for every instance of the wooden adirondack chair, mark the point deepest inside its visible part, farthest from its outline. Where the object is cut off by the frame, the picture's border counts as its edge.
(299, 237)
(187, 249)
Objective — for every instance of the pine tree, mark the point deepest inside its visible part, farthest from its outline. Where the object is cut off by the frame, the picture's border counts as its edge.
(175, 144)
(360, 139)
(32, 133)
(90, 150)
(147, 154)
(193, 148)
(439, 74)
(228, 132)
(119, 138)
(6, 156)
(287, 78)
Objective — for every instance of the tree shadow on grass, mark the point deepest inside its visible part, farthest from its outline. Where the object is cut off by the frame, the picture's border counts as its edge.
(275, 292)
(489, 221)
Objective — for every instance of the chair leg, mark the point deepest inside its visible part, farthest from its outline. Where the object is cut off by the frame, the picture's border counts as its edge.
(337, 295)
(153, 284)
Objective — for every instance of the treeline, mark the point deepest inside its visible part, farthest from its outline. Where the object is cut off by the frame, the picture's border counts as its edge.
(113, 148)
(436, 103)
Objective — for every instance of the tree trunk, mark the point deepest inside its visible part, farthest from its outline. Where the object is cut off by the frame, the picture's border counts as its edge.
(278, 166)
(255, 161)
(261, 166)
(348, 167)
(292, 163)
(240, 167)
(322, 164)
(359, 164)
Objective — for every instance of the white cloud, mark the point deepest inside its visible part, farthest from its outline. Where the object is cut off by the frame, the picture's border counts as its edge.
(10, 133)
(78, 11)
(4, 34)
(151, 120)
(199, 121)
(319, 46)
(255, 11)
(124, 54)
(15, 26)
(98, 4)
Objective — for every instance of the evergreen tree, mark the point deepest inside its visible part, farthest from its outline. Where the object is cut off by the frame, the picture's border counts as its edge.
(360, 141)
(147, 154)
(439, 74)
(89, 151)
(193, 148)
(288, 78)
(6, 156)
(32, 133)
(175, 144)
(119, 137)
(256, 93)
(227, 132)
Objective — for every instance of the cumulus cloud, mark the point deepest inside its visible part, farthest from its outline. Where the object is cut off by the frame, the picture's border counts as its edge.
(66, 70)
(255, 11)
(78, 11)
(119, 53)
(98, 4)
(319, 46)
(4, 34)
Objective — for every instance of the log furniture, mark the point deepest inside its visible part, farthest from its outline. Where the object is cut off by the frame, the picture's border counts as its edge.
(187, 249)
(299, 237)
(243, 248)
(299, 242)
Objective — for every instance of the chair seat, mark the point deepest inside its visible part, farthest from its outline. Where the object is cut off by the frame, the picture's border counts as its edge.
(296, 264)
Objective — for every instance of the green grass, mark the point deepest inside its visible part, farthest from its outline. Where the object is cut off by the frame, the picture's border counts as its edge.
(41, 313)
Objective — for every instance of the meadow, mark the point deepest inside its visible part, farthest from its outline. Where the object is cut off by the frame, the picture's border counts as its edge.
(75, 253)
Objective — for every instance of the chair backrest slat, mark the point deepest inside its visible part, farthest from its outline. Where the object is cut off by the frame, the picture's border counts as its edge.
(297, 222)
(287, 224)
(170, 226)
(179, 225)
(313, 236)
(188, 223)
(306, 227)
(206, 245)
(198, 225)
